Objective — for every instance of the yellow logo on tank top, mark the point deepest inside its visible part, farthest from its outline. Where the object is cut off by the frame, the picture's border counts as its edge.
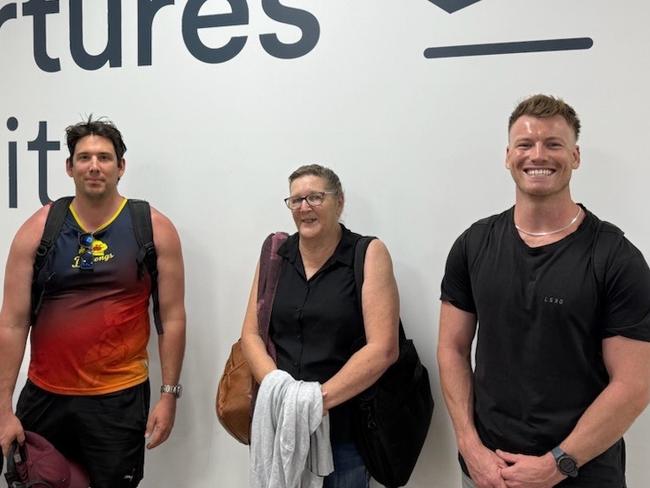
(98, 249)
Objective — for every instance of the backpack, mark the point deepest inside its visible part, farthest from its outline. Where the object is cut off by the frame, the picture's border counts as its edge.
(392, 417)
(146, 257)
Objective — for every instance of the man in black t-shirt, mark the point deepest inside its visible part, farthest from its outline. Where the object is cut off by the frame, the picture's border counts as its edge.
(562, 304)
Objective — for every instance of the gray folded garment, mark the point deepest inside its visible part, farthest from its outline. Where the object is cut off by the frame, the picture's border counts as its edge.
(290, 445)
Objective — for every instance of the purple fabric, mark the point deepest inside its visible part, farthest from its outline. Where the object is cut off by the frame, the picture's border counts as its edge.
(270, 264)
(41, 462)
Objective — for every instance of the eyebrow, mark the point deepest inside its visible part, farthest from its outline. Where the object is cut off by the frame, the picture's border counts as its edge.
(101, 153)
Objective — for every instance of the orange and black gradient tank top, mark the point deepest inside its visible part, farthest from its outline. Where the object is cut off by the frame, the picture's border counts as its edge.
(91, 334)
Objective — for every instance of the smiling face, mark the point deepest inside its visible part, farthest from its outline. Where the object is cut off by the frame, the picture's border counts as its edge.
(314, 222)
(94, 167)
(541, 156)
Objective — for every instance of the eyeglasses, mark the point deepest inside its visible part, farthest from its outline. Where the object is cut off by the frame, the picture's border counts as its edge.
(313, 199)
(86, 260)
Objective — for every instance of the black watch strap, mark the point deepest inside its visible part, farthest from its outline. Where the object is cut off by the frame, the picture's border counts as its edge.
(567, 465)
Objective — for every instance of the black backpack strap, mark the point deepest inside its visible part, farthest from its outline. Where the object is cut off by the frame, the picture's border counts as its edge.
(51, 231)
(146, 258)
(360, 249)
(359, 260)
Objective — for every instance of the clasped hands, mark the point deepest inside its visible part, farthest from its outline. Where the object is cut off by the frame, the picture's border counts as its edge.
(501, 469)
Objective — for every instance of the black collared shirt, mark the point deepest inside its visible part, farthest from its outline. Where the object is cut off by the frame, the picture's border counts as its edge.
(316, 323)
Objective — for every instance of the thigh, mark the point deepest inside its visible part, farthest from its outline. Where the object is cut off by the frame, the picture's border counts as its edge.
(349, 469)
(110, 430)
(46, 414)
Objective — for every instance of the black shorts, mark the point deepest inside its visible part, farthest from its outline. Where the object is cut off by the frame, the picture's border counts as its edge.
(103, 433)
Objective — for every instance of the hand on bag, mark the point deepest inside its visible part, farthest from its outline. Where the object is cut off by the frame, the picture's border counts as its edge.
(161, 421)
(10, 430)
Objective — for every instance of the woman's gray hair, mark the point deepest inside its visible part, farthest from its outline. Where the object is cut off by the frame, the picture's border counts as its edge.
(333, 181)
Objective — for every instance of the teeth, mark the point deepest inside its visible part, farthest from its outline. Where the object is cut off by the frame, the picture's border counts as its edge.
(539, 172)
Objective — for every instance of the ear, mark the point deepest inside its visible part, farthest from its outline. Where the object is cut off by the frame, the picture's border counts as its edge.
(121, 164)
(341, 204)
(68, 166)
(507, 156)
(576, 157)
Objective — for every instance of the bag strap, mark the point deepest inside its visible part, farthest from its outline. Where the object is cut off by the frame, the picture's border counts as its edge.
(269, 275)
(15, 455)
(360, 249)
(51, 230)
(12, 475)
(146, 258)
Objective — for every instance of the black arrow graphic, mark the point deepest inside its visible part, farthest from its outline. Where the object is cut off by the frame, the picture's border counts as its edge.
(509, 48)
(452, 6)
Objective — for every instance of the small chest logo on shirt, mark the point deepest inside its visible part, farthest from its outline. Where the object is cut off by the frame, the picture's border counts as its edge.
(554, 300)
(99, 251)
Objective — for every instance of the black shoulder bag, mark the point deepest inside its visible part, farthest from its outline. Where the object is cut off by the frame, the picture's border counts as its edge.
(392, 417)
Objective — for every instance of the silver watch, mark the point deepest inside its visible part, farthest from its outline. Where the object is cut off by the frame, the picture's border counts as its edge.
(176, 390)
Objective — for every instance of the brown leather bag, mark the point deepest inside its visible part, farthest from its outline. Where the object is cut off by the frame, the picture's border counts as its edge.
(237, 387)
(234, 395)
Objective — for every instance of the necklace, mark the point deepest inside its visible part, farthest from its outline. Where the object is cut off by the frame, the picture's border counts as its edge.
(542, 234)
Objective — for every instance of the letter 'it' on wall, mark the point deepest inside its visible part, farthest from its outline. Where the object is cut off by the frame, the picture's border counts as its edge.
(41, 145)
(305, 21)
(192, 22)
(112, 53)
(12, 125)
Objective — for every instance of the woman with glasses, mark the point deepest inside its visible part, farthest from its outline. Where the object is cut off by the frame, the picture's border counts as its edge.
(317, 323)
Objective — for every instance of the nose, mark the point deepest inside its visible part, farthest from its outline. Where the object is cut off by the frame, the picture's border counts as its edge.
(538, 152)
(304, 205)
(94, 163)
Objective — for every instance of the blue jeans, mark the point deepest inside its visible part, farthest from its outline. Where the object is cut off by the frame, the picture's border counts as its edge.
(349, 470)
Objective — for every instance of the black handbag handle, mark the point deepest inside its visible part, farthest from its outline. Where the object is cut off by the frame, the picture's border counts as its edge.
(12, 475)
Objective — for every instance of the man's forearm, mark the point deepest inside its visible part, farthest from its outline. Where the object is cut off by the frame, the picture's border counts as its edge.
(457, 389)
(613, 411)
(605, 421)
(171, 347)
(12, 350)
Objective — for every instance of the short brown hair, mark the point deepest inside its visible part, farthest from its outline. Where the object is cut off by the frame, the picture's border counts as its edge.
(545, 106)
(330, 177)
(99, 127)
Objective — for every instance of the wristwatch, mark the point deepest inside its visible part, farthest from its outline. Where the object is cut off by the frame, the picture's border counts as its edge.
(567, 465)
(175, 390)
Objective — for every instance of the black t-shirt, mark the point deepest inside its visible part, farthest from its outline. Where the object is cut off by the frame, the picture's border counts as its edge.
(316, 323)
(542, 315)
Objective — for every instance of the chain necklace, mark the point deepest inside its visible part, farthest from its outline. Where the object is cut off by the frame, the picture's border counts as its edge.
(542, 234)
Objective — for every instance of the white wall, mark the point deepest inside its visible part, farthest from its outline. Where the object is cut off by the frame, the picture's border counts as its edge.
(418, 144)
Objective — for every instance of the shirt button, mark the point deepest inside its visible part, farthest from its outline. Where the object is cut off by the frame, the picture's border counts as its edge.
(295, 363)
